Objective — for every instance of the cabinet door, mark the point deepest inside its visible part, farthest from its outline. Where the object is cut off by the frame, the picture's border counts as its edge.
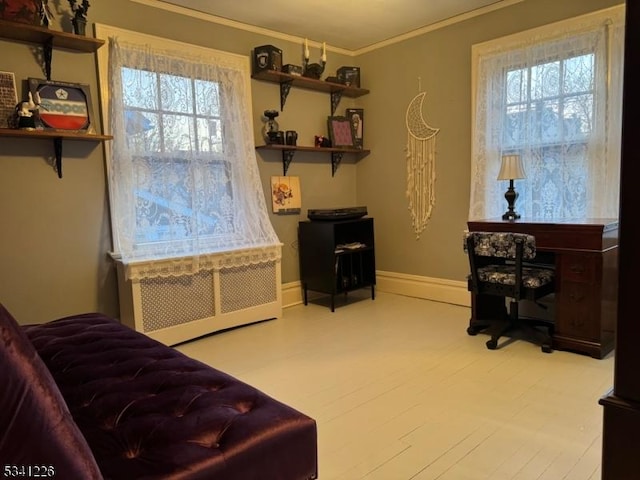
(317, 256)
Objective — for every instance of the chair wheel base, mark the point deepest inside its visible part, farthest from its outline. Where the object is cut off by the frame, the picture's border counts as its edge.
(473, 330)
(547, 348)
(492, 344)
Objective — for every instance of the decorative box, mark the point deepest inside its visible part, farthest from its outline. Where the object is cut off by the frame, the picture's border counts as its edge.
(267, 57)
(292, 69)
(23, 11)
(349, 76)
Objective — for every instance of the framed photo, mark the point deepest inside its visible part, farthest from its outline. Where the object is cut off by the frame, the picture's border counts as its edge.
(285, 194)
(356, 117)
(340, 132)
(8, 99)
(63, 106)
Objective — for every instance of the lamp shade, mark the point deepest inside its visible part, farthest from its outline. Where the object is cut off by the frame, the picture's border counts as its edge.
(511, 168)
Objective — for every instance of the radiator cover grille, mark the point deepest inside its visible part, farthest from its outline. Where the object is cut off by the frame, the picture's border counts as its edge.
(247, 286)
(170, 301)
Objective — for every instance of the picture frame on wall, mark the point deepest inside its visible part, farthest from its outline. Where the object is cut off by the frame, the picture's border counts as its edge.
(8, 99)
(340, 131)
(356, 117)
(285, 195)
(63, 105)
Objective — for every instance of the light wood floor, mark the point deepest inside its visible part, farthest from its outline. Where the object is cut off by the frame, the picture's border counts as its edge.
(400, 391)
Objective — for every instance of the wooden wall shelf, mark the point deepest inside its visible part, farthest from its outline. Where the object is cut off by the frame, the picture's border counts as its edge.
(286, 81)
(23, 32)
(48, 39)
(57, 136)
(71, 135)
(288, 152)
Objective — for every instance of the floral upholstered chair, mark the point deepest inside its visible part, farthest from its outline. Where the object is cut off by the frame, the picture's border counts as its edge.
(501, 264)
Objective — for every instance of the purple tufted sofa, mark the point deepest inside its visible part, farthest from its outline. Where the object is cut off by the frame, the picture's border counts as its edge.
(85, 398)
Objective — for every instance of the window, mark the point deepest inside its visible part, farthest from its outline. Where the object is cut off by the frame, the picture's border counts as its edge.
(549, 103)
(168, 119)
(552, 95)
(182, 171)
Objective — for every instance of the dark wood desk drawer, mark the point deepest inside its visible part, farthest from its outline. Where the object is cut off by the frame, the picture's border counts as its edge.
(578, 268)
(578, 311)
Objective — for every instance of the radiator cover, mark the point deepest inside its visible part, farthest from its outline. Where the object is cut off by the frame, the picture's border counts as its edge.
(174, 309)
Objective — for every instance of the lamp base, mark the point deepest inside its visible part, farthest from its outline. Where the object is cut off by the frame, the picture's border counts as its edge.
(510, 215)
(511, 196)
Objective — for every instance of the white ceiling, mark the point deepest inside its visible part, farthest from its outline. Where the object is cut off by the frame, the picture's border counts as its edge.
(350, 25)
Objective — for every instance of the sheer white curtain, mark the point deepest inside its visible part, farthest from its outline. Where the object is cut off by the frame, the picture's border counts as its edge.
(554, 96)
(183, 178)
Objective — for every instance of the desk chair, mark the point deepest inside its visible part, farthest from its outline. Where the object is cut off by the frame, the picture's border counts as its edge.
(498, 263)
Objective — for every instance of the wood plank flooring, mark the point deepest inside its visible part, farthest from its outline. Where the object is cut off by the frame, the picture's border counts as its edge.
(400, 391)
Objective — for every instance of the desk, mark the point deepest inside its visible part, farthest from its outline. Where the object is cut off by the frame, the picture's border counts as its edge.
(585, 255)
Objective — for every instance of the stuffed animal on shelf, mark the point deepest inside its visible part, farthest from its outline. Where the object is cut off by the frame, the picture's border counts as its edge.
(25, 113)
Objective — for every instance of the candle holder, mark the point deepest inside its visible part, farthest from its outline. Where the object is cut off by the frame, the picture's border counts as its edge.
(314, 70)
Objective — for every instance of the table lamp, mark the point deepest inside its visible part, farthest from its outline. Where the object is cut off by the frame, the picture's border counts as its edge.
(511, 169)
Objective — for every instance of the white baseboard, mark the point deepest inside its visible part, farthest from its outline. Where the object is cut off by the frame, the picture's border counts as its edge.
(291, 294)
(436, 289)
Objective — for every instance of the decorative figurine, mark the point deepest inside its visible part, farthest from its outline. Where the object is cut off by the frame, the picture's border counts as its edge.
(46, 16)
(79, 19)
(25, 113)
(313, 70)
(322, 141)
(271, 130)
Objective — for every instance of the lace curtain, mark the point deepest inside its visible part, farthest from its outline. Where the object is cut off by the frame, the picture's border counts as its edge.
(554, 96)
(183, 177)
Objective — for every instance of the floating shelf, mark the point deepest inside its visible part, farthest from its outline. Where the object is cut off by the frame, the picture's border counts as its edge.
(48, 39)
(286, 81)
(24, 32)
(288, 151)
(57, 136)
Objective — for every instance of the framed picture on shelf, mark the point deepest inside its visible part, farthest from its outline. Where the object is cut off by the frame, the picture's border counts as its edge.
(285, 194)
(8, 99)
(23, 11)
(356, 117)
(62, 105)
(340, 132)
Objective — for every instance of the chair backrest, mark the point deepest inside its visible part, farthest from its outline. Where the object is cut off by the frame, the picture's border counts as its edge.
(495, 251)
(500, 244)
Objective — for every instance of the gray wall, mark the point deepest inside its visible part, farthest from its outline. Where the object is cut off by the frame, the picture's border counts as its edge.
(55, 233)
(442, 61)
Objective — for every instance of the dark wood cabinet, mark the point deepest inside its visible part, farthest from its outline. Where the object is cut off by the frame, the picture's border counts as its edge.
(337, 256)
(585, 256)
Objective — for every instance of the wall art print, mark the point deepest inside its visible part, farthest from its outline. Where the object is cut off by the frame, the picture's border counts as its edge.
(340, 132)
(285, 194)
(62, 105)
